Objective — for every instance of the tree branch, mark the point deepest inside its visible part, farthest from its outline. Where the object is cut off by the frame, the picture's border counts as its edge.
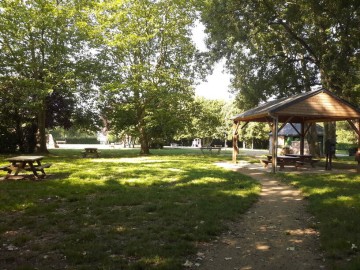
(276, 19)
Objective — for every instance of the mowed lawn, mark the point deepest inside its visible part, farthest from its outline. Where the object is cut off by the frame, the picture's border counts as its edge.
(334, 200)
(120, 211)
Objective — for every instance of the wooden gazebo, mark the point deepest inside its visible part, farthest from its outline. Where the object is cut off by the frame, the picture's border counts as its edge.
(306, 108)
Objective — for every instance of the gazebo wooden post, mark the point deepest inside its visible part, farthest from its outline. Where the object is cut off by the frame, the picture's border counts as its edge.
(302, 138)
(235, 141)
(274, 143)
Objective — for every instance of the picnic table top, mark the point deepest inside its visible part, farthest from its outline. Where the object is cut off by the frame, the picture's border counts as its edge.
(298, 155)
(25, 158)
(283, 157)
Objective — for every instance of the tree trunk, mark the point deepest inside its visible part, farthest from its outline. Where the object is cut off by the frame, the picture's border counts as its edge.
(329, 132)
(41, 135)
(312, 138)
(19, 133)
(144, 142)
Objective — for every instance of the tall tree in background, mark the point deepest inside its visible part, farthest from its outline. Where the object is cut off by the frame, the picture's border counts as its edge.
(39, 45)
(207, 121)
(277, 48)
(147, 45)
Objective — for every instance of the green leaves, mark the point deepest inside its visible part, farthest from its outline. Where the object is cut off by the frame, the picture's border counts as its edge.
(281, 48)
(40, 48)
(152, 61)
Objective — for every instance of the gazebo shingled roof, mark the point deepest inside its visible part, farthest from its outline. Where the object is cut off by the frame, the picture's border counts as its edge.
(315, 106)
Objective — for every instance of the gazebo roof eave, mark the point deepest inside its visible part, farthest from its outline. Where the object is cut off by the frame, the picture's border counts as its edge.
(283, 118)
(263, 112)
(253, 118)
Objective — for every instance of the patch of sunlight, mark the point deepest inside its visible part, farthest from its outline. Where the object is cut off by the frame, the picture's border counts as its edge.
(262, 247)
(301, 232)
(344, 200)
(120, 229)
(239, 193)
(175, 170)
(132, 180)
(203, 181)
(24, 206)
(148, 181)
(138, 181)
(105, 160)
(75, 180)
(134, 160)
(227, 165)
(156, 261)
(322, 190)
(171, 180)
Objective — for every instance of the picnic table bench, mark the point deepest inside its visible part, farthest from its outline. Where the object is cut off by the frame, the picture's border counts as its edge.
(90, 151)
(210, 149)
(305, 158)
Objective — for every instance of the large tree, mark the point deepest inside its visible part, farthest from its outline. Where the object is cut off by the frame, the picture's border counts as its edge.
(277, 48)
(151, 60)
(39, 48)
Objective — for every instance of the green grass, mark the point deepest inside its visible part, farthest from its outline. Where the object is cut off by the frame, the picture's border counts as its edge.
(334, 199)
(120, 211)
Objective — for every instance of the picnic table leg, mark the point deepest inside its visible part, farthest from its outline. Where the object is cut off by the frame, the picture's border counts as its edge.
(9, 170)
(42, 170)
(281, 166)
(19, 167)
(34, 170)
(8, 174)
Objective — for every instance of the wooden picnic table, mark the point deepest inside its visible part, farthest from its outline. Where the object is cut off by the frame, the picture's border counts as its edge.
(282, 161)
(305, 158)
(90, 151)
(26, 163)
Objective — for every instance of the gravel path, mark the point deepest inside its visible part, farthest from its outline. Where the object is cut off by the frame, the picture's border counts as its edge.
(275, 233)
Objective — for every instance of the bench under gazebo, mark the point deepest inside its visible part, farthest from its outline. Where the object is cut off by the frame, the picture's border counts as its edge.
(306, 108)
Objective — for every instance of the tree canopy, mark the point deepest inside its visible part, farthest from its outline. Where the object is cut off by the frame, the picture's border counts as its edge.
(152, 65)
(278, 48)
(132, 63)
(40, 46)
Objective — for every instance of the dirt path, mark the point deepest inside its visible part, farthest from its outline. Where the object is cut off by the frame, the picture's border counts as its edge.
(275, 233)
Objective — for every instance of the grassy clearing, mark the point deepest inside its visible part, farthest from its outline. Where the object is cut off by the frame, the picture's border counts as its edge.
(120, 211)
(334, 199)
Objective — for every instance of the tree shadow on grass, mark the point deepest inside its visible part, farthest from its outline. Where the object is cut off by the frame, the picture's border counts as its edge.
(116, 223)
(335, 202)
